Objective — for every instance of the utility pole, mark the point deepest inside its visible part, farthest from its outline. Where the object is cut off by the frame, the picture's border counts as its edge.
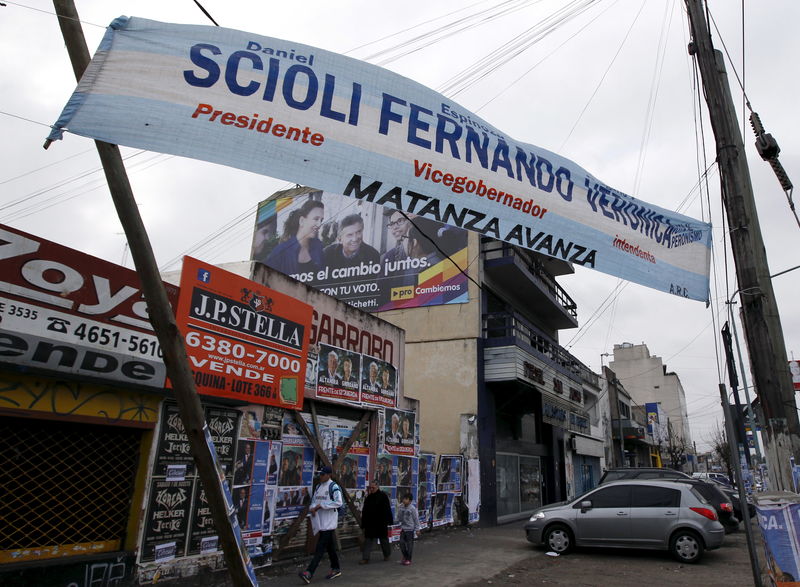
(762, 325)
(163, 321)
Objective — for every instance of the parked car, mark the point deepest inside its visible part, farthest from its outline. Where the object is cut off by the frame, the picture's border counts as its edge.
(721, 501)
(619, 473)
(718, 477)
(733, 495)
(660, 515)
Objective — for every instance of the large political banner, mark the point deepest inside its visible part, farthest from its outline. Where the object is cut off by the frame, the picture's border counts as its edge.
(373, 257)
(317, 118)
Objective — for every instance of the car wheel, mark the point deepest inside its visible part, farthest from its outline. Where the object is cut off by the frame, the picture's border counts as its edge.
(686, 546)
(558, 538)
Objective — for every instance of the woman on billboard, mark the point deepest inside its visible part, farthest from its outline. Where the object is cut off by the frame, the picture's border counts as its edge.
(300, 250)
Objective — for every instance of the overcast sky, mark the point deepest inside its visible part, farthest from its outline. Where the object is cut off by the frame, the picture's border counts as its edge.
(611, 89)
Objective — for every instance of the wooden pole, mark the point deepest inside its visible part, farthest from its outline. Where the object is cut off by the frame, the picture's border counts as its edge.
(161, 317)
(760, 318)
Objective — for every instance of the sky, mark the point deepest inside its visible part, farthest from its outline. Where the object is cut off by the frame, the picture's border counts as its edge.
(611, 89)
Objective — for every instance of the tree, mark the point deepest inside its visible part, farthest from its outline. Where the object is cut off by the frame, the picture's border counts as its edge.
(720, 447)
(676, 448)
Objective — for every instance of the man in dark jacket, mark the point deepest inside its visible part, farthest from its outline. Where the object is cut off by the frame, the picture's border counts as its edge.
(376, 517)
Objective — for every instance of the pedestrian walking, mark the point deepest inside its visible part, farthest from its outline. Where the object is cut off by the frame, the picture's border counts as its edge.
(408, 518)
(376, 517)
(324, 512)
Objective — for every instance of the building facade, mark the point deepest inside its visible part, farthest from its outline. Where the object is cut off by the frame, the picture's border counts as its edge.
(482, 358)
(648, 381)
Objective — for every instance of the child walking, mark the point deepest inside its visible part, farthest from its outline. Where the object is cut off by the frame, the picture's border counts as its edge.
(408, 518)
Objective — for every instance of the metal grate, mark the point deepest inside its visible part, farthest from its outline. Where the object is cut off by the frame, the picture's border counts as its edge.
(63, 483)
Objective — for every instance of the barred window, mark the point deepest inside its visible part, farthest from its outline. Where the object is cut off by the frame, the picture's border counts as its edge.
(64, 486)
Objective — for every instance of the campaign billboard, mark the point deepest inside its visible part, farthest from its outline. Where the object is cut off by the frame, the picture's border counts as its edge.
(68, 312)
(243, 340)
(371, 257)
(317, 118)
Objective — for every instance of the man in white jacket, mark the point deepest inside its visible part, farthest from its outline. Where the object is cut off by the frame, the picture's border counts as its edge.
(325, 517)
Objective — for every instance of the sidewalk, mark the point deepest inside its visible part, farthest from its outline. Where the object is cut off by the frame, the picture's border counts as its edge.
(453, 556)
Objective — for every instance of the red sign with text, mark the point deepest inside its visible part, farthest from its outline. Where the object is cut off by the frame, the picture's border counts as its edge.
(244, 341)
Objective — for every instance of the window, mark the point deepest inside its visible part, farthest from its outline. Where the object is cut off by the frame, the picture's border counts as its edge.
(65, 484)
(655, 497)
(611, 497)
(624, 411)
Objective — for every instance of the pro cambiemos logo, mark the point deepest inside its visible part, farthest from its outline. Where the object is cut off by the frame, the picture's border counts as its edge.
(402, 293)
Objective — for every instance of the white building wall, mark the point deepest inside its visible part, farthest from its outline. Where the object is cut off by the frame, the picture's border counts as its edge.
(644, 379)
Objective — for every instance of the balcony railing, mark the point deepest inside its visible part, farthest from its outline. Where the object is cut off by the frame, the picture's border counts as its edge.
(493, 249)
(510, 328)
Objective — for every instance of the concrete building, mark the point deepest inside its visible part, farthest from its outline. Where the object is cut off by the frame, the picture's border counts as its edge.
(628, 442)
(647, 380)
(482, 356)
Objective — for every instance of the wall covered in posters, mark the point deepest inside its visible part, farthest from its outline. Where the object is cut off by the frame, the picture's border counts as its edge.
(372, 257)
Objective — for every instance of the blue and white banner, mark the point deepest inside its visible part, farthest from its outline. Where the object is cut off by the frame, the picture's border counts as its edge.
(310, 116)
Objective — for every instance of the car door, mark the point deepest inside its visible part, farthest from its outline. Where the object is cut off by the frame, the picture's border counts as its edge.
(654, 511)
(607, 521)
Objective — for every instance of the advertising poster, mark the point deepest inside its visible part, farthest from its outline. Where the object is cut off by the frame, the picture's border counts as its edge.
(245, 459)
(449, 478)
(173, 444)
(354, 472)
(167, 520)
(297, 466)
(202, 533)
(378, 383)
(405, 471)
(473, 490)
(222, 427)
(780, 527)
(291, 501)
(372, 257)
(271, 423)
(274, 458)
(335, 432)
(338, 374)
(244, 341)
(269, 509)
(426, 486)
(442, 509)
(255, 513)
(383, 474)
(241, 503)
(53, 294)
(398, 432)
(251, 422)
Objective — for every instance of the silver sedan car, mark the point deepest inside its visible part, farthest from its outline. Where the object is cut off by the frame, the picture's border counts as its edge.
(660, 515)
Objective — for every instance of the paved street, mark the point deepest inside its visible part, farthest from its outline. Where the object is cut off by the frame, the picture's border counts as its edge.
(501, 555)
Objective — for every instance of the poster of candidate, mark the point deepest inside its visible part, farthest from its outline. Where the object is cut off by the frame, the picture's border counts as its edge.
(426, 486)
(398, 432)
(442, 509)
(449, 477)
(354, 472)
(290, 501)
(383, 474)
(375, 258)
(378, 383)
(338, 374)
